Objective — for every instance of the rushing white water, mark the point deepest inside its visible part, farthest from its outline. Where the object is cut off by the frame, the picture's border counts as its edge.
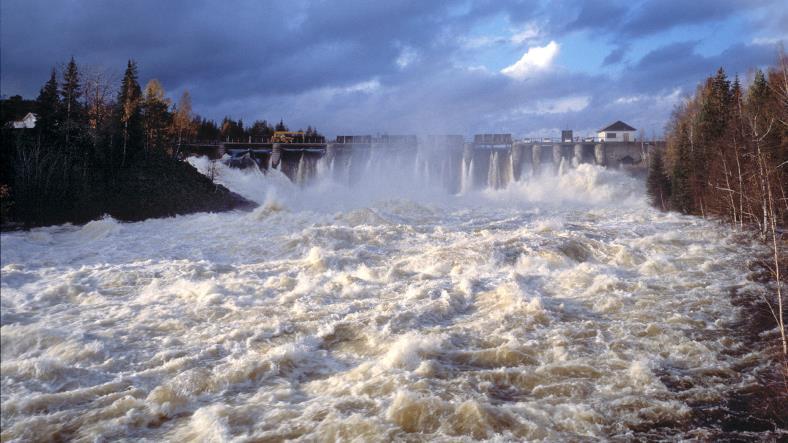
(466, 178)
(554, 309)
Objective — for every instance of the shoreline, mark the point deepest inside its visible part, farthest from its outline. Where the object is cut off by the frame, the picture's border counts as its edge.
(248, 206)
(760, 406)
(149, 189)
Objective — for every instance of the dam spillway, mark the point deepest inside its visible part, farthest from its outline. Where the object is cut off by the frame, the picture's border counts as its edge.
(487, 161)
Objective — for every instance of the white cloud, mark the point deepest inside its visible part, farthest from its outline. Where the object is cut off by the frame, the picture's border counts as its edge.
(630, 99)
(365, 87)
(530, 32)
(768, 40)
(670, 98)
(406, 56)
(481, 69)
(481, 41)
(537, 58)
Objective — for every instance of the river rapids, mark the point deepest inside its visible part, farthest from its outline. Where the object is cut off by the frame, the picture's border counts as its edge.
(556, 308)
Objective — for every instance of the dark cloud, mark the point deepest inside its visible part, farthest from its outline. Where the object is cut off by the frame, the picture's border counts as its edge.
(615, 56)
(599, 15)
(678, 65)
(384, 66)
(272, 47)
(617, 20)
(659, 15)
(666, 56)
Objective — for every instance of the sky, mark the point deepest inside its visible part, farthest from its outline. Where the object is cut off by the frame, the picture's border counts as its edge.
(530, 68)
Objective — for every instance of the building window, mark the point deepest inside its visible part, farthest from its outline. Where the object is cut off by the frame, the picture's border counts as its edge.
(610, 135)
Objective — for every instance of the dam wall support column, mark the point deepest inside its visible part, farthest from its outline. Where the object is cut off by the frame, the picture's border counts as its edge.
(599, 154)
(526, 161)
(276, 155)
(577, 158)
(517, 160)
(536, 158)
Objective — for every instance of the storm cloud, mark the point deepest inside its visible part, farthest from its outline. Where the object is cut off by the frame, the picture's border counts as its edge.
(399, 66)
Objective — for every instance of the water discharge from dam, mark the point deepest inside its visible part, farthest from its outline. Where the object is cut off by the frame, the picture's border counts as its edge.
(379, 297)
(454, 165)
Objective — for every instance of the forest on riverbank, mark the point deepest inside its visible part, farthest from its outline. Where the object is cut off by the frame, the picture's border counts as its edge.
(726, 158)
(101, 146)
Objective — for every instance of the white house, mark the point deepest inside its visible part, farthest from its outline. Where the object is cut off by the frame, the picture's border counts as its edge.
(28, 122)
(617, 132)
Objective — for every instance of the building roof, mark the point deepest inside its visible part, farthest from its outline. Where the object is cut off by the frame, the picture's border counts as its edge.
(28, 121)
(618, 126)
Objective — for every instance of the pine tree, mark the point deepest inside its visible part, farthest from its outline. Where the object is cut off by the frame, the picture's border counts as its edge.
(47, 107)
(71, 92)
(722, 102)
(129, 98)
(680, 184)
(760, 87)
(778, 87)
(736, 93)
(759, 105)
(155, 116)
(658, 183)
(758, 96)
(71, 106)
(260, 129)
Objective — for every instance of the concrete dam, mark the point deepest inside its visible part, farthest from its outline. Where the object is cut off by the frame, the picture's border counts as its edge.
(456, 164)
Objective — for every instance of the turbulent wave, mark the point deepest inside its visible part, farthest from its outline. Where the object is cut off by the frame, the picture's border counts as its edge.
(556, 308)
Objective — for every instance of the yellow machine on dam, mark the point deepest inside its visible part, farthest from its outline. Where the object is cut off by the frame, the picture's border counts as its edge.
(287, 137)
(296, 137)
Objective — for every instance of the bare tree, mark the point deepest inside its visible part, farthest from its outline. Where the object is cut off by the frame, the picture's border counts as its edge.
(99, 90)
(182, 121)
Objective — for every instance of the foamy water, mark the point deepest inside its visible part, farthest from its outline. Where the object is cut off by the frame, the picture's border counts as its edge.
(557, 308)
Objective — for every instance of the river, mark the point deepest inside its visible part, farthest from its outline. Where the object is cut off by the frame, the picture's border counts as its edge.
(559, 307)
